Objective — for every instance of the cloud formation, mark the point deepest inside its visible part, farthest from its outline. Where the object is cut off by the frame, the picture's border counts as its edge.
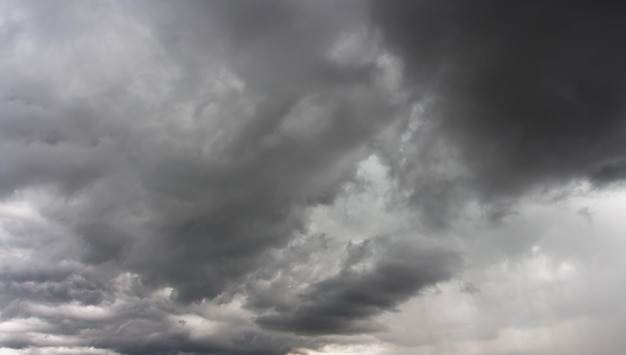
(263, 177)
(346, 302)
(526, 95)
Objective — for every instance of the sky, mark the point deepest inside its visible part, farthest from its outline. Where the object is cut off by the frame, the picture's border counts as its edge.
(291, 177)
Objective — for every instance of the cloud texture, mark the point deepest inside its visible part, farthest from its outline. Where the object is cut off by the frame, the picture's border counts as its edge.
(275, 177)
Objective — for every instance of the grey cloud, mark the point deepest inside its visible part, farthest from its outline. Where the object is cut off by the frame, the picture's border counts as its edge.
(249, 201)
(128, 323)
(215, 216)
(468, 287)
(142, 327)
(72, 288)
(279, 47)
(608, 172)
(182, 213)
(40, 264)
(530, 94)
(347, 302)
(186, 144)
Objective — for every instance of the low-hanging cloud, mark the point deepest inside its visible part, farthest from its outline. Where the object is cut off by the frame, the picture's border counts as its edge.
(179, 144)
(347, 302)
(162, 161)
(526, 95)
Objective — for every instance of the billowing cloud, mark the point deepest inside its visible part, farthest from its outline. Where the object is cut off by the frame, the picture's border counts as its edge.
(264, 177)
(346, 302)
(524, 96)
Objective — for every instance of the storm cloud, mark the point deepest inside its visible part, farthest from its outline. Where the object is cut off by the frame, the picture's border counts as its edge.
(346, 302)
(528, 93)
(276, 177)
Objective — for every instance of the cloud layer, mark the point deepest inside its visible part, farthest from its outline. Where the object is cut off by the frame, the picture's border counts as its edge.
(274, 177)
(530, 93)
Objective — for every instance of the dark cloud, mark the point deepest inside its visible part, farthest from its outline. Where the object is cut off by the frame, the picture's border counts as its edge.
(216, 215)
(72, 288)
(164, 164)
(347, 302)
(167, 204)
(468, 287)
(230, 209)
(138, 326)
(185, 147)
(530, 94)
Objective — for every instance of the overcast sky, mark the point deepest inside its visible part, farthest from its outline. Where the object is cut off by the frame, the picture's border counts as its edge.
(312, 177)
